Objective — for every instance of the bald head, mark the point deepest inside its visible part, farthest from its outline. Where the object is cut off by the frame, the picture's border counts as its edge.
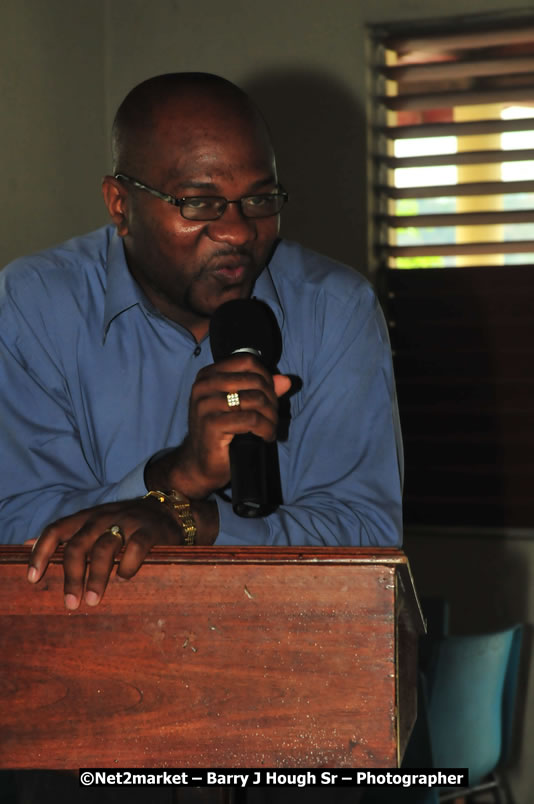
(188, 102)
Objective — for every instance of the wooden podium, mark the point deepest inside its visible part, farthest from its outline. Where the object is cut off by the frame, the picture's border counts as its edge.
(212, 657)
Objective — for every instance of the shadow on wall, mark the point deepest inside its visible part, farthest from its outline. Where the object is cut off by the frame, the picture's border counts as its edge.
(319, 137)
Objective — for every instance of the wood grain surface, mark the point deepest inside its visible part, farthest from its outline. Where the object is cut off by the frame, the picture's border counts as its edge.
(211, 657)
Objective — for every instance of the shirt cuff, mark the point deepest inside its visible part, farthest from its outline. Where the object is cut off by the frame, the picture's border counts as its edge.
(236, 531)
(132, 485)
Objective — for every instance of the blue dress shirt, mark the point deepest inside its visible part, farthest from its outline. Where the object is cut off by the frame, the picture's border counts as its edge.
(94, 381)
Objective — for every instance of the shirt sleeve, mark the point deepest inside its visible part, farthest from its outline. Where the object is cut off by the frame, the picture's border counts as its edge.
(43, 470)
(342, 464)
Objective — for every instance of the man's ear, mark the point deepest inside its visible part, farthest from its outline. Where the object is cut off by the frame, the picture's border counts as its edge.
(115, 197)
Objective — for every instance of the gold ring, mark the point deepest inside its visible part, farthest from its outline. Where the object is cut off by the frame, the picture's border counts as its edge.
(233, 400)
(116, 531)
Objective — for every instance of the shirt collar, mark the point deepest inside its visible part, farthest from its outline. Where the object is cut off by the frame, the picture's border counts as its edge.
(122, 291)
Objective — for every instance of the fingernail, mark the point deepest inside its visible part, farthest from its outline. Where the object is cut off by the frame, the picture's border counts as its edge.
(91, 598)
(71, 602)
(32, 575)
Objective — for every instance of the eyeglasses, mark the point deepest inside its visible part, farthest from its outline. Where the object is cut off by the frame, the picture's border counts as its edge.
(211, 207)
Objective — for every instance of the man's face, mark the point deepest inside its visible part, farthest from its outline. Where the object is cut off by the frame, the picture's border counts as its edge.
(188, 268)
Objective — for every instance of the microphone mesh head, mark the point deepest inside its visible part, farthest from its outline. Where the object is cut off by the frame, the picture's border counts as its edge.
(247, 324)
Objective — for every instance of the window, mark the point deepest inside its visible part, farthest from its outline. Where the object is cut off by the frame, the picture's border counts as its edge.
(455, 170)
(453, 201)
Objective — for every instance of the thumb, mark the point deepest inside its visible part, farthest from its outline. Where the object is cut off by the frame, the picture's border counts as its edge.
(282, 384)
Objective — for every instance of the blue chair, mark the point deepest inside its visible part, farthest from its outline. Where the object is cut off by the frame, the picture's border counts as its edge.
(471, 687)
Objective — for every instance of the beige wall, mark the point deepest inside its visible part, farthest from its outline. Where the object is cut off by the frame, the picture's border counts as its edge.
(52, 137)
(65, 64)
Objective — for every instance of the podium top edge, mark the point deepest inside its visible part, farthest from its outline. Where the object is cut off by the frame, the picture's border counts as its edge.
(18, 554)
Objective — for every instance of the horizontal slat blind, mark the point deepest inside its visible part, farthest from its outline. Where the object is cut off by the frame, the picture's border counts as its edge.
(463, 343)
(470, 158)
(474, 34)
(516, 247)
(460, 69)
(461, 217)
(445, 100)
(460, 129)
(473, 87)
(468, 188)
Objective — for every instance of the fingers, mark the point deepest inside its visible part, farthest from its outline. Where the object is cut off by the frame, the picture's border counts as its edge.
(93, 539)
(254, 413)
(139, 545)
(257, 390)
(201, 464)
(55, 534)
(237, 374)
(103, 557)
(102, 548)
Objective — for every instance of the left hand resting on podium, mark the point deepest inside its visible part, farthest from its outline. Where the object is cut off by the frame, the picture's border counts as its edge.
(97, 535)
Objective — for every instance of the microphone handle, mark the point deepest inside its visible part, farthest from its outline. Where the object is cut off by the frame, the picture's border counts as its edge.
(248, 468)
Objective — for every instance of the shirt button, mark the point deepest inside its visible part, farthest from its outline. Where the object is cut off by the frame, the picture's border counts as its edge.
(197, 351)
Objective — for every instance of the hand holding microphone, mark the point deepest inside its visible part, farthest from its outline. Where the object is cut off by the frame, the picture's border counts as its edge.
(201, 465)
(248, 327)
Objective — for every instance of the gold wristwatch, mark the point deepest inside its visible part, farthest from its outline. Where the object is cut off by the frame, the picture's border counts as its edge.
(179, 502)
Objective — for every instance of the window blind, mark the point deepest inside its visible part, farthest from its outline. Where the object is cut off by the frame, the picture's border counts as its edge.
(467, 92)
(453, 224)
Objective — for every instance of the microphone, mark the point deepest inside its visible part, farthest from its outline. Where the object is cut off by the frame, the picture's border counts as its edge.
(248, 325)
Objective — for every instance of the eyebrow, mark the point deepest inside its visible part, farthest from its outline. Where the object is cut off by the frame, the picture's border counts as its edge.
(208, 185)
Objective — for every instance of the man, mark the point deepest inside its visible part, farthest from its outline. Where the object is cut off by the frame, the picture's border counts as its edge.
(109, 390)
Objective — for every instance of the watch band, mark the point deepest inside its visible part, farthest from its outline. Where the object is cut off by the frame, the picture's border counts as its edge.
(179, 503)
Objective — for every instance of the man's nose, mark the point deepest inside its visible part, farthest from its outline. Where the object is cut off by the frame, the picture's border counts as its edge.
(233, 227)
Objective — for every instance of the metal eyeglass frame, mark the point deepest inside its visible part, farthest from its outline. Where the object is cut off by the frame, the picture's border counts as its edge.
(180, 202)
